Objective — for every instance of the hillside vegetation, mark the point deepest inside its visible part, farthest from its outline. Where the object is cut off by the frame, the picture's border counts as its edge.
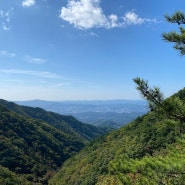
(150, 150)
(34, 142)
(67, 124)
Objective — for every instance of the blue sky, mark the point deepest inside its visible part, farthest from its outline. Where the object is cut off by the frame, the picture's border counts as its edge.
(86, 49)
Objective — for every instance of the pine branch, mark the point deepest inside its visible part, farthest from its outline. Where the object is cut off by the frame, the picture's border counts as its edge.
(178, 17)
(175, 37)
(155, 99)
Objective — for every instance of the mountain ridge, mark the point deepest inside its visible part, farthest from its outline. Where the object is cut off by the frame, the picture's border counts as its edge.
(73, 126)
(32, 146)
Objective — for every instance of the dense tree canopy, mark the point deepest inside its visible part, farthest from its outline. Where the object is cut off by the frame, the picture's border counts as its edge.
(34, 142)
(150, 150)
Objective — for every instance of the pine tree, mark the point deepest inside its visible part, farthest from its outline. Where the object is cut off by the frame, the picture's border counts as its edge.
(175, 107)
(178, 38)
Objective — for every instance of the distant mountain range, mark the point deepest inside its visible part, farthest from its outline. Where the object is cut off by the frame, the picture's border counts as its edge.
(111, 113)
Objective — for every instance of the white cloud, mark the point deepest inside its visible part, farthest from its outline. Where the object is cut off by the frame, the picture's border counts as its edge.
(33, 60)
(5, 27)
(93, 34)
(132, 18)
(43, 74)
(28, 3)
(113, 21)
(86, 14)
(6, 53)
(6, 19)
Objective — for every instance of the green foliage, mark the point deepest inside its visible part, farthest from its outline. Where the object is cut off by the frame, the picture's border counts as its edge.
(9, 178)
(32, 147)
(152, 95)
(165, 168)
(34, 142)
(178, 17)
(67, 124)
(174, 108)
(178, 38)
(150, 150)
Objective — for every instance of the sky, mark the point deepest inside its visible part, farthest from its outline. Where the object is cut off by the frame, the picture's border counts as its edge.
(86, 49)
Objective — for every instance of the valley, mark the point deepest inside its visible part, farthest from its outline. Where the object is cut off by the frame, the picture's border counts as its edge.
(104, 113)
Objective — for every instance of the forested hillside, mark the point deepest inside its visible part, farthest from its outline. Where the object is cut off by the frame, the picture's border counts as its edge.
(34, 142)
(67, 124)
(150, 150)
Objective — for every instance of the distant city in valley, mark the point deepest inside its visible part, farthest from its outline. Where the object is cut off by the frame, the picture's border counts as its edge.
(111, 113)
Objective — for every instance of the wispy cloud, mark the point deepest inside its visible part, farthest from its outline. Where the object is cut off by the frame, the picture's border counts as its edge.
(43, 74)
(58, 80)
(6, 19)
(6, 53)
(28, 3)
(93, 34)
(132, 18)
(34, 60)
(86, 14)
(58, 85)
